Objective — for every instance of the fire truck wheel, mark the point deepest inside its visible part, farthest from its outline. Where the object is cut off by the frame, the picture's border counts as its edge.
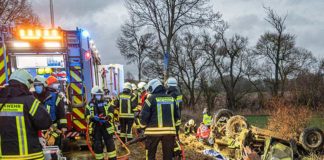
(312, 139)
(235, 125)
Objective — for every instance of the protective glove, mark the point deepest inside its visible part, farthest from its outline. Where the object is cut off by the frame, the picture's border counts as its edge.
(50, 140)
(96, 118)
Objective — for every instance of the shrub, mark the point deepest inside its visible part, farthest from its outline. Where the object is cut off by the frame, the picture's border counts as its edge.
(288, 120)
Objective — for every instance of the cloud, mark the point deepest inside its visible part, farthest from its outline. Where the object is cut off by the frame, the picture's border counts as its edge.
(246, 17)
(103, 18)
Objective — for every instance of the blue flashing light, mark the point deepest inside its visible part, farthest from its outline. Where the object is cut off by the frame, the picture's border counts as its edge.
(85, 33)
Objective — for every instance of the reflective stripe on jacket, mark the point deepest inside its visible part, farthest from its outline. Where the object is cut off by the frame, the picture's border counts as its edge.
(159, 115)
(92, 109)
(21, 117)
(127, 105)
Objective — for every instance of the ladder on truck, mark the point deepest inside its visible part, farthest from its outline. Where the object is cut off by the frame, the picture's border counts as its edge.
(76, 88)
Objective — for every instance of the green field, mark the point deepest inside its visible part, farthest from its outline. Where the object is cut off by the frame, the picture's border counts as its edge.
(261, 121)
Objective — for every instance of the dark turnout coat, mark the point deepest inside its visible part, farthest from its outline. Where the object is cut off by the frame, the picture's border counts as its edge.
(21, 116)
(159, 114)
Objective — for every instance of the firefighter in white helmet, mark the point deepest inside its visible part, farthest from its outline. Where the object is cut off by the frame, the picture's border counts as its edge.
(126, 102)
(171, 86)
(142, 92)
(141, 96)
(158, 117)
(100, 115)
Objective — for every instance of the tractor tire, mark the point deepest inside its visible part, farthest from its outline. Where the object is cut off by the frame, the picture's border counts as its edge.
(222, 116)
(235, 126)
(312, 139)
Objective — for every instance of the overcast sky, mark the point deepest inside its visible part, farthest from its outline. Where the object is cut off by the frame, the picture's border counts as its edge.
(103, 18)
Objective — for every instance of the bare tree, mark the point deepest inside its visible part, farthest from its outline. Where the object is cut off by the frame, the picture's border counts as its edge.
(227, 56)
(296, 62)
(167, 17)
(134, 46)
(281, 57)
(17, 11)
(153, 68)
(188, 62)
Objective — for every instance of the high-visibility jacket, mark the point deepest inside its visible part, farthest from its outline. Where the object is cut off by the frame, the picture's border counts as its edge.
(159, 114)
(207, 119)
(103, 108)
(127, 103)
(173, 91)
(21, 117)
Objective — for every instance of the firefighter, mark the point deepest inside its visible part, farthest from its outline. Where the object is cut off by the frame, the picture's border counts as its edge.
(189, 127)
(21, 116)
(172, 90)
(46, 93)
(158, 117)
(127, 103)
(142, 93)
(140, 97)
(134, 89)
(207, 118)
(100, 116)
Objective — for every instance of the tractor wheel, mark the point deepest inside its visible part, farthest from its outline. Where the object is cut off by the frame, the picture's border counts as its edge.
(235, 126)
(221, 117)
(312, 139)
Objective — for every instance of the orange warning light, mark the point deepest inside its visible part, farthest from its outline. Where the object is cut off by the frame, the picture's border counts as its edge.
(35, 34)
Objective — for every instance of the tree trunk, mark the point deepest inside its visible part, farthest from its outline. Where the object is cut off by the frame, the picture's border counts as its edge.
(230, 100)
(139, 72)
(167, 68)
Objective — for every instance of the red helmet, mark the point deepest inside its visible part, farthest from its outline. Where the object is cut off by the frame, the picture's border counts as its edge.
(51, 80)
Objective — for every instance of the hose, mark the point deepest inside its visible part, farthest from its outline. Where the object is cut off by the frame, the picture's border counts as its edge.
(183, 152)
(182, 149)
(123, 157)
(88, 141)
(141, 143)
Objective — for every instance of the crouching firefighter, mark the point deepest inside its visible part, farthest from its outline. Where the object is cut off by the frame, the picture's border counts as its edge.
(100, 116)
(21, 116)
(158, 117)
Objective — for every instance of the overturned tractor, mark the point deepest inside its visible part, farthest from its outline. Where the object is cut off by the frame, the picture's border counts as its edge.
(232, 136)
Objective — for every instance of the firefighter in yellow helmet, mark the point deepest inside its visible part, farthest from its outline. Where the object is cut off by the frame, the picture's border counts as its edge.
(158, 117)
(126, 102)
(100, 115)
(20, 117)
